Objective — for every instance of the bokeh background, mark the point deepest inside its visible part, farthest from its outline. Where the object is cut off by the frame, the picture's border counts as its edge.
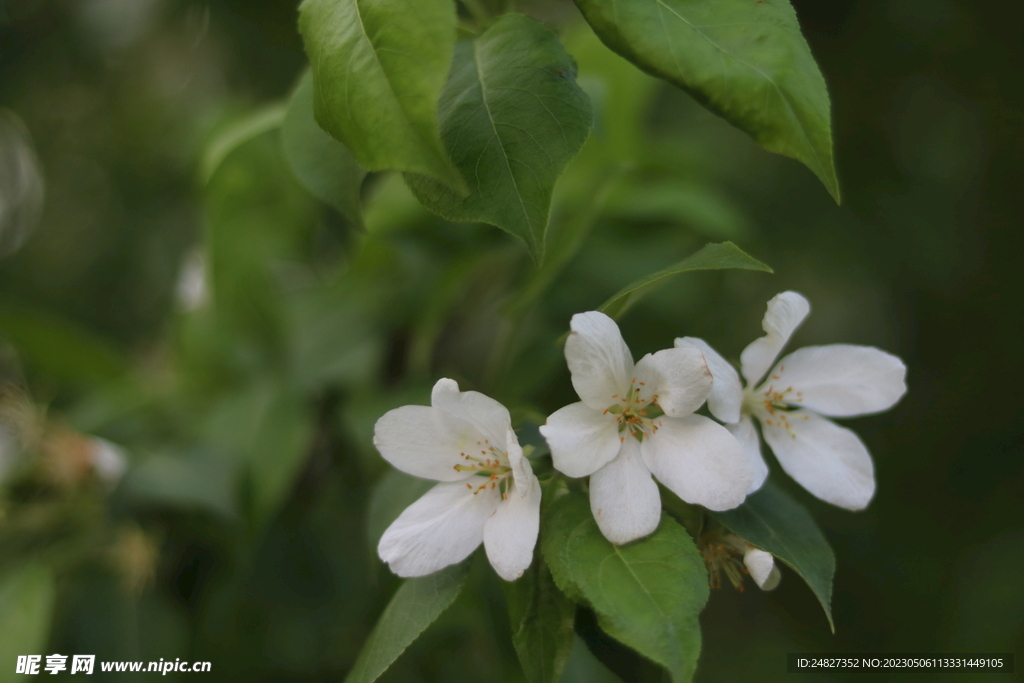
(215, 547)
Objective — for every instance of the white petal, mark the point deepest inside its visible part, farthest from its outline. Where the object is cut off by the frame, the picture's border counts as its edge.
(624, 498)
(108, 460)
(511, 533)
(785, 313)
(426, 442)
(828, 460)
(522, 473)
(841, 380)
(582, 440)
(698, 460)
(441, 528)
(746, 434)
(483, 412)
(772, 582)
(678, 377)
(726, 397)
(761, 566)
(598, 359)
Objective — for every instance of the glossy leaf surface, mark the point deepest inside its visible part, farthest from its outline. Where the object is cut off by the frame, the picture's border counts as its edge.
(773, 521)
(512, 117)
(647, 594)
(746, 60)
(378, 70)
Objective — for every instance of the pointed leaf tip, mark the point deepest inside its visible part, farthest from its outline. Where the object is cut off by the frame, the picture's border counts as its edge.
(416, 604)
(774, 522)
(324, 166)
(512, 117)
(378, 70)
(746, 61)
(720, 256)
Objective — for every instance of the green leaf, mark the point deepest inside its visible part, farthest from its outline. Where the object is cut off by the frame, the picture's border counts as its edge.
(584, 667)
(59, 348)
(237, 134)
(322, 164)
(566, 238)
(26, 606)
(722, 256)
(334, 334)
(378, 69)
(774, 522)
(647, 594)
(273, 447)
(542, 623)
(701, 208)
(280, 440)
(257, 217)
(198, 481)
(621, 98)
(512, 117)
(417, 603)
(745, 60)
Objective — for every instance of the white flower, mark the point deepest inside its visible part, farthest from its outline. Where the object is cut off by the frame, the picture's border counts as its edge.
(720, 557)
(838, 380)
(488, 492)
(635, 421)
(108, 461)
(759, 563)
(193, 288)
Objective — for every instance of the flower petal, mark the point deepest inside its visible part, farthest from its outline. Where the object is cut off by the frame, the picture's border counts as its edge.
(726, 397)
(841, 380)
(108, 460)
(598, 358)
(828, 460)
(624, 498)
(522, 473)
(678, 377)
(582, 440)
(483, 412)
(761, 566)
(426, 442)
(698, 460)
(785, 313)
(441, 528)
(511, 532)
(746, 434)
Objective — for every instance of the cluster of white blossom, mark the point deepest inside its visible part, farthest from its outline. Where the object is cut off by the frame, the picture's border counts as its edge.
(635, 423)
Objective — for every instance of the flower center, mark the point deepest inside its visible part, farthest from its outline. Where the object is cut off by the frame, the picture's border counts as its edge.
(722, 558)
(772, 405)
(490, 463)
(636, 413)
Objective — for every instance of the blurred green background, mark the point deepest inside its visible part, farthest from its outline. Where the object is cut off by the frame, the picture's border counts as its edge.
(239, 534)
